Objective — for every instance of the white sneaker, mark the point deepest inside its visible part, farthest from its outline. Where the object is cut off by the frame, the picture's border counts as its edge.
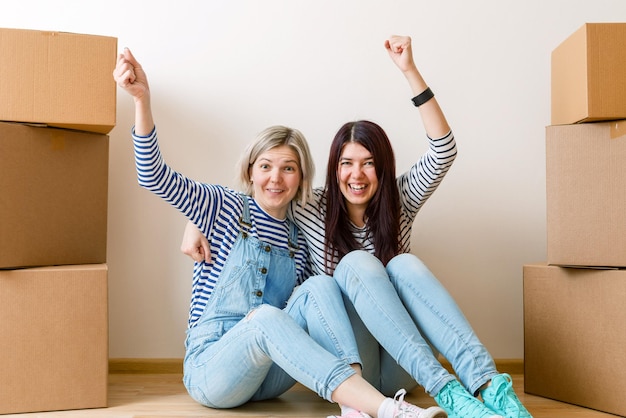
(407, 410)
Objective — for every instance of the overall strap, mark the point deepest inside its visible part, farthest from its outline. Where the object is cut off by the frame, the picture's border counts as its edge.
(293, 238)
(244, 220)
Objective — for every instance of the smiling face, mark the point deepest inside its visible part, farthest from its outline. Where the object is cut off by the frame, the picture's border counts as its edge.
(276, 177)
(358, 182)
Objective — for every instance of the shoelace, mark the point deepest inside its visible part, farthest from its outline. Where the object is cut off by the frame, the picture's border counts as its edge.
(403, 409)
(503, 392)
(465, 405)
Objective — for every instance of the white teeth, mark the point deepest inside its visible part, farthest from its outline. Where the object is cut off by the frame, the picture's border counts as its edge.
(353, 187)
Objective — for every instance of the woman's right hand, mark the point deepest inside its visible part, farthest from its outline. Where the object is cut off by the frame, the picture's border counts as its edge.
(195, 244)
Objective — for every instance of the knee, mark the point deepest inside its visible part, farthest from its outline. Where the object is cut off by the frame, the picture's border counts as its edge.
(407, 267)
(264, 311)
(359, 260)
(320, 285)
(405, 260)
(358, 267)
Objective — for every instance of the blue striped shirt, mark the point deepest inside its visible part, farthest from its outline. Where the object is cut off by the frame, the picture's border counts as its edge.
(216, 211)
(415, 186)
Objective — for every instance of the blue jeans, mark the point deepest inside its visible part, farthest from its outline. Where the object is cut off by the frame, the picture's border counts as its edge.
(396, 312)
(262, 355)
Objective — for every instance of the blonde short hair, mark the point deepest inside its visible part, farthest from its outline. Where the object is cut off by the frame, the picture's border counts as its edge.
(272, 137)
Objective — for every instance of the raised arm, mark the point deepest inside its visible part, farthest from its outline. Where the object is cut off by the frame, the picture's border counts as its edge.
(190, 197)
(401, 53)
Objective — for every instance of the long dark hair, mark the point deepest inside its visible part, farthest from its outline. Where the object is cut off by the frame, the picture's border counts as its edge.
(383, 211)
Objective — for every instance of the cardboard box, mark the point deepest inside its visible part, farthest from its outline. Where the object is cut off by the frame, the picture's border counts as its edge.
(53, 338)
(587, 71)
(574, 336)
(58, 79)
(53, 199)
(586, 194)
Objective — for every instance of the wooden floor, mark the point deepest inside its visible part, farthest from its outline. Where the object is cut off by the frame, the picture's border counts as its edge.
(163, 395)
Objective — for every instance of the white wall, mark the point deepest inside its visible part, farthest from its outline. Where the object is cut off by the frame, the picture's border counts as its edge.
(221, 71)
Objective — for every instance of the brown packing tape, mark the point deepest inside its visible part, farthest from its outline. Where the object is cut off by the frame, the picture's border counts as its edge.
(617, 129)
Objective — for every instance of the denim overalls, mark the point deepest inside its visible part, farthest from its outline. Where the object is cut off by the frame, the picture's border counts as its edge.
(249, 344)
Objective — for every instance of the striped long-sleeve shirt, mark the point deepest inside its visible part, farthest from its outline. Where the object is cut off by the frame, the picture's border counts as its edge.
(415, 186)
(216, 211)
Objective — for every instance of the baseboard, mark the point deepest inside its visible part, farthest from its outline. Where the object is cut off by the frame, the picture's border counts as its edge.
(175, 365)
(145, 365)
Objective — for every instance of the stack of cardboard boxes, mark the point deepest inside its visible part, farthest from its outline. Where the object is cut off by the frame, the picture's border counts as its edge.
(57, 105)
(574, 304)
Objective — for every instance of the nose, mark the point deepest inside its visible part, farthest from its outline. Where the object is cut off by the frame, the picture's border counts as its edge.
(357, 171)
(276, 176)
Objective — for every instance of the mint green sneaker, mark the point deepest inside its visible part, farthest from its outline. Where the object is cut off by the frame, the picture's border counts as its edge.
(500, 397)
(459, 403)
